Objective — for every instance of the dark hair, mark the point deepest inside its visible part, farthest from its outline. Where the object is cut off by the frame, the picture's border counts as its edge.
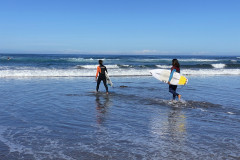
(175, 63)
(100, 62)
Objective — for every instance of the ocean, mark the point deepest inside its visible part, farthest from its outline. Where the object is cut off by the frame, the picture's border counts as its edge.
(21, 65)
(49, 108)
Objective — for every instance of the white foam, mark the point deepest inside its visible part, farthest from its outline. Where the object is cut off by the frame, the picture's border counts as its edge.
(198, 60)
(89, 72)
(86, 59)
(13, 147)
(163, 66)
(206, 72)
(77, 59)
(95, 66)
(181, 60)
(125, 65)
(70, 73)
(149, 60)
(19, 68)
(203, 110)
(220, 65)
(88, 66)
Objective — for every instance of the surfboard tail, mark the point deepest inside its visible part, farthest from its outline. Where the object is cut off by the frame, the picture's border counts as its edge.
(183, 80)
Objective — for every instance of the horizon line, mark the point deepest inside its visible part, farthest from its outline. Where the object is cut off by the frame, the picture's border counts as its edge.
(131, 53)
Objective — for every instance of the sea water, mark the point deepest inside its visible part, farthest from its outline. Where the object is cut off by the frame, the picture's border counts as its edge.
(49, 108)
(20, 65)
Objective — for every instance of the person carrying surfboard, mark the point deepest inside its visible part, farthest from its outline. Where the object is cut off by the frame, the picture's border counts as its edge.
(173, 88)
(100, 75)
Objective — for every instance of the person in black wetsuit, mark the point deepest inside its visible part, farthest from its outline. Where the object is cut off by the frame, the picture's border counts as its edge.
(173, 88)
(100, 75)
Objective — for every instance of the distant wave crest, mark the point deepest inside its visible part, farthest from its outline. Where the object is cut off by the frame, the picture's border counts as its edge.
(163, 66)
(220, 65)
(95, 66)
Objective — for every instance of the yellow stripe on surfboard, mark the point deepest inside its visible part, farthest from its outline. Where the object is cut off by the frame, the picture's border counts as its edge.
(182, 80)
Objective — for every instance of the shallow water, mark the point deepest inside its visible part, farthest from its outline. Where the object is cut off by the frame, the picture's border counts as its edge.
(63, 118)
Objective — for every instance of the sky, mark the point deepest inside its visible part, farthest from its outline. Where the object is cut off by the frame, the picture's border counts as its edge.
(120, 26)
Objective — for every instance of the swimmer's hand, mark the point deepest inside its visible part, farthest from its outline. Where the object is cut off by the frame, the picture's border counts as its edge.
(168, 82)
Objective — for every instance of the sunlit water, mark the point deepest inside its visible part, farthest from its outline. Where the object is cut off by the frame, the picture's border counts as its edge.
(62, 118)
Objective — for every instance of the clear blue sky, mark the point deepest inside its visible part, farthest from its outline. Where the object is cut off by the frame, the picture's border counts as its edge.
(120, 26)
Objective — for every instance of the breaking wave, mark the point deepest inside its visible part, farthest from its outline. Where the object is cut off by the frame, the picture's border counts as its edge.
(112, 72)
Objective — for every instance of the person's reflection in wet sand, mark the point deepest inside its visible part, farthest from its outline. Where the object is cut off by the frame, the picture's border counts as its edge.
(176, 125)
(102, 105)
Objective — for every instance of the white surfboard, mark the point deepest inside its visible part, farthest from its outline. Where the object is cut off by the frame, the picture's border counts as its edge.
(109, 82)
(163, 75)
